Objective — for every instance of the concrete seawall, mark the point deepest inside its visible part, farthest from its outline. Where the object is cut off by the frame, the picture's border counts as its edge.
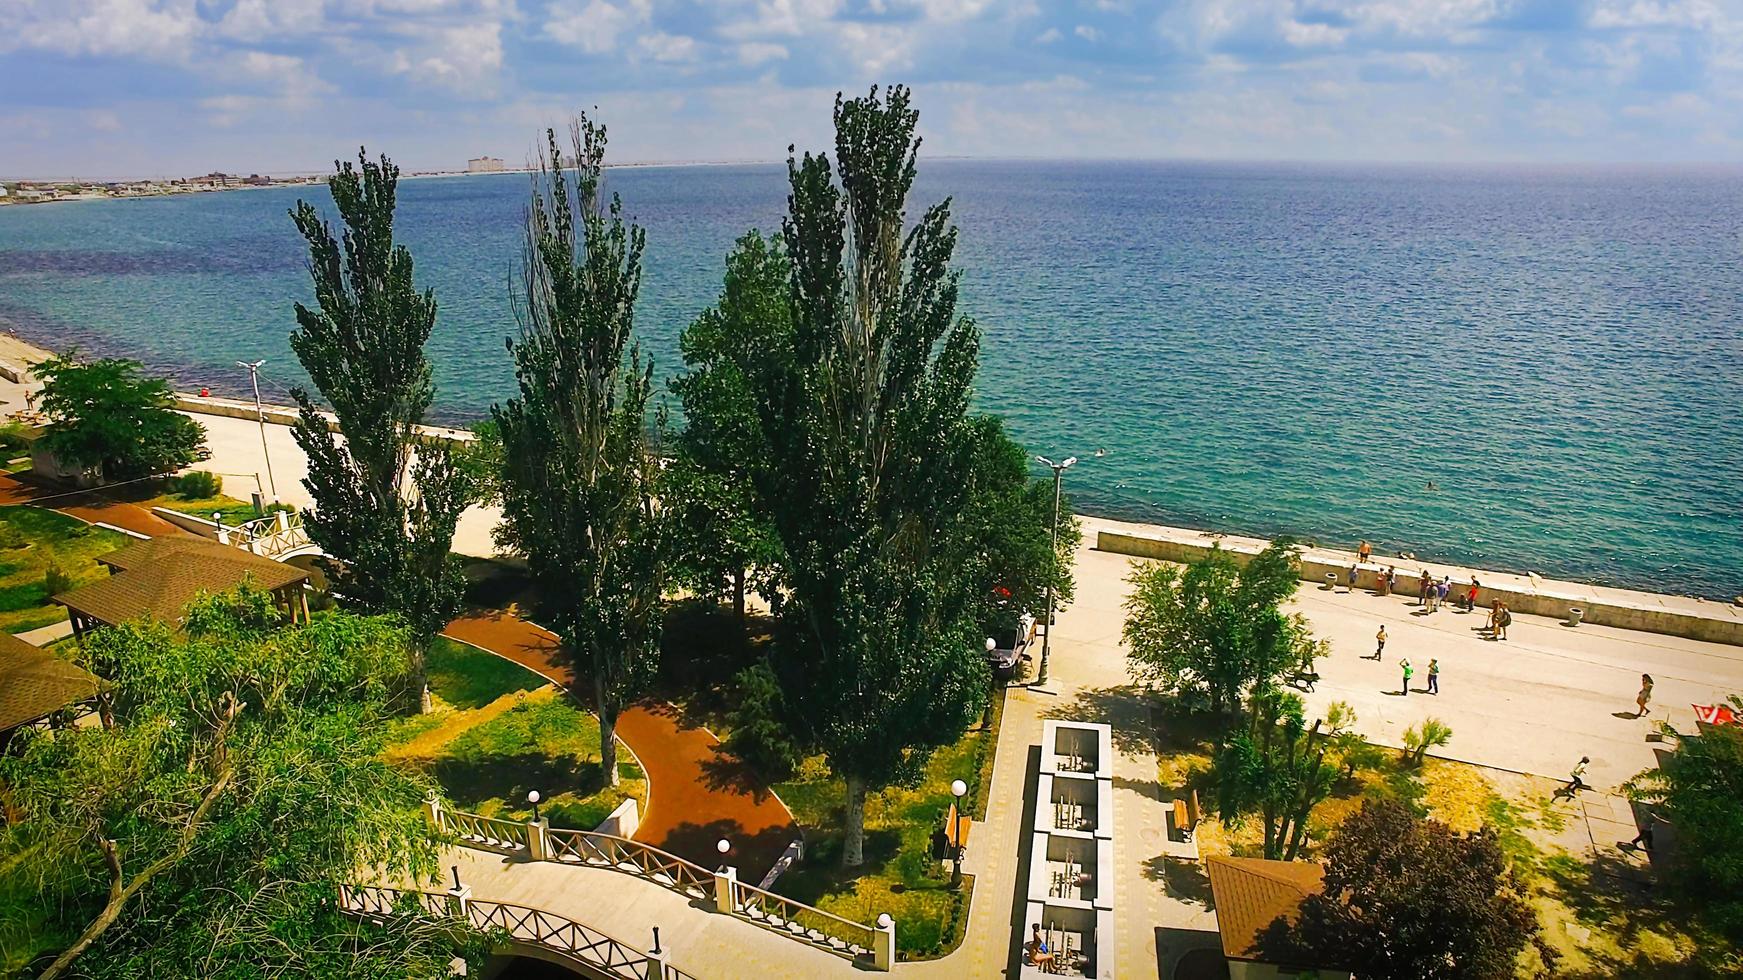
(1699, 619)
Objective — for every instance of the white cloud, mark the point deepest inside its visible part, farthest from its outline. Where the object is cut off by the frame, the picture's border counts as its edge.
(256, 20)
(661, 46)
(596, 27)
(789, 18)
(1048, 36)
(464, 58)
(757, 52)
(1312, 35)
(1087, 32)
(157, 29)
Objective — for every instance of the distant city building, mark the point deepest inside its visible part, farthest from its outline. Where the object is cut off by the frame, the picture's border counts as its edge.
(484, 165)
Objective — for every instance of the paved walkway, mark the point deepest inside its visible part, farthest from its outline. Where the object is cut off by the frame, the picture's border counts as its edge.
(697, 793)
(88, 506)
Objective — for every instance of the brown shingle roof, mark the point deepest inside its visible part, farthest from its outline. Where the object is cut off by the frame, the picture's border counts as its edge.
(34, 682)
(1251, 893)
(155, 579)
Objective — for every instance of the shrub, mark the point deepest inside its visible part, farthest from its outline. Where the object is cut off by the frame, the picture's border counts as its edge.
(759, 733)
(55, 580)
(1417, 741)
(12, 436)
(11, 536)
(198, 485)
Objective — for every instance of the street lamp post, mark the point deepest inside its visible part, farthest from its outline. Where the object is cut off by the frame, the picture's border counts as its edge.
(260, 417)
(958, 789)
(533, 798)
(1047, 637)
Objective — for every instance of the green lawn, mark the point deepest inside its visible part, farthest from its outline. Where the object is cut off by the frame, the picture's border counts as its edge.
(500, 730)
(45, 537)
(899, 875)
(234, 511)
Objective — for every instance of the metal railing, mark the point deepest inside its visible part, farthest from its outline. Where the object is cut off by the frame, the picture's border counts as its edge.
(802, 921)
(490, 833)
(632, 857)
(520, 923)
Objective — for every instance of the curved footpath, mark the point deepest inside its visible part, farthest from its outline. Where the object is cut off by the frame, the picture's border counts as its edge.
(697, 792)
(88, 506)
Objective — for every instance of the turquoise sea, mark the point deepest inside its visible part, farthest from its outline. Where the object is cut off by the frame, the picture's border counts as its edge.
(1259, 348)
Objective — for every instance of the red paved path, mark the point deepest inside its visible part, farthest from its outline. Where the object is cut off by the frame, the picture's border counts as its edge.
(87, 506)
(697, 793)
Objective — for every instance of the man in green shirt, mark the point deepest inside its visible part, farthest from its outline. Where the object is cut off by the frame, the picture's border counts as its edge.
(1409, 672)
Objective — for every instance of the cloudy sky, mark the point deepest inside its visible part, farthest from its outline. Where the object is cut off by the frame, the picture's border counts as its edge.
(149, 87)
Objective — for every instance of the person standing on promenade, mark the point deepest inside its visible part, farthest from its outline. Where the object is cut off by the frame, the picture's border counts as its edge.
(1353, 571)
(1380, 643)
(1503, 619)
(1494, 615)
(1409, 672)
(1434, 676)
(1645, 696)
(1445, 590)
(1423, 597)
(1364, 552)
(1471, 596)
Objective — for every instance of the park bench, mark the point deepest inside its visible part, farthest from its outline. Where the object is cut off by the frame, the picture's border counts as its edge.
(1186, 815)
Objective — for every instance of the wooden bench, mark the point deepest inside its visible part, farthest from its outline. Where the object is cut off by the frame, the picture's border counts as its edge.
(1186, 815)
(950, 829)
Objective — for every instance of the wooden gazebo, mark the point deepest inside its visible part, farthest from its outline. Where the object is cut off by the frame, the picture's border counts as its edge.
(158, 577)
(35, 684)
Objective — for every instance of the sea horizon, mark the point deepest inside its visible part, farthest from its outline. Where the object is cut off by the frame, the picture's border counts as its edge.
(1262, 348)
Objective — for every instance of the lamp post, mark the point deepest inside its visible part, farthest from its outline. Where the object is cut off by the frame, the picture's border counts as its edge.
(958, 789)
(1047, 637)
(533, 798)
(723, 846)
(260, 417)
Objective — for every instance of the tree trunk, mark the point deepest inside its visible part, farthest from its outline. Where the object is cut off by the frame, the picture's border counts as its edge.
(738, 598)
(420, 675)
(607, 734)
(853, 846)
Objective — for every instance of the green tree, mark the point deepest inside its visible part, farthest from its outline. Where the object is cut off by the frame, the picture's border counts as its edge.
(861, 456)
(1214, 630)
(1419, 739)
(387, 498)
(1009, 523)
(1697, 790)
(722, 543)
(1410, 899)
(107, 416)
(580, 463)
(205, 833)
(1275, 768)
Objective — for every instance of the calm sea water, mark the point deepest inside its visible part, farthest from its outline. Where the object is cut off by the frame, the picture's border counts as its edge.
(1258, 348)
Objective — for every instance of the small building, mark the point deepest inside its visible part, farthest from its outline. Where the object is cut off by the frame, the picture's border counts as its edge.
(484, 165)
(1252, 893)
(35, 685)
(157, 578)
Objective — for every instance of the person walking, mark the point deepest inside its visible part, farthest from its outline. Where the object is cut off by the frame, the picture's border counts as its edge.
(1644, 838)
(1364, 552)
(1433, 676)
(1576, 780)
(1353, 571)
(1445, 590)
(1422, 594)
(1645, 696)
(1409, 672)
(1503, 619)
(1380, 643)
(1471, 596)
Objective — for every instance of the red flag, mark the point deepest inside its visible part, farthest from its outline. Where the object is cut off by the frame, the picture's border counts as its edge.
(1714, 714)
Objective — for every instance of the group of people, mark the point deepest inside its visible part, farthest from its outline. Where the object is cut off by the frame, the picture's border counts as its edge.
(1410, 671)
(1499, 619)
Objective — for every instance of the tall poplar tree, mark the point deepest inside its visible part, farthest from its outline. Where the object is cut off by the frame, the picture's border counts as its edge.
(580, 465)
(864, 456)
(387, 499)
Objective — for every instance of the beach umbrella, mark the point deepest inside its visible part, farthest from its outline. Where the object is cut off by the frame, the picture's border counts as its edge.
(1714, 714)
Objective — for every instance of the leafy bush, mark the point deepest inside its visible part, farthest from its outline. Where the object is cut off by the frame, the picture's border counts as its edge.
(12, 436)
(1417, 741)
(55, 580)
(759, 733)
(198, 485)
(11, 536)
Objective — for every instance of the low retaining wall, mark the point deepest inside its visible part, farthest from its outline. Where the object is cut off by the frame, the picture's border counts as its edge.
(1671, 615)
(232, 408)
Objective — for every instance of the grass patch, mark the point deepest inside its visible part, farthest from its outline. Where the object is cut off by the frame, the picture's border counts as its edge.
(900, 875)
(44, 538)
(500, 730)
(465, 677)
(234, 511)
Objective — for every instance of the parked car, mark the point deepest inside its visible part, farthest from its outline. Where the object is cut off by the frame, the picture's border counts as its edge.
(1010, 646)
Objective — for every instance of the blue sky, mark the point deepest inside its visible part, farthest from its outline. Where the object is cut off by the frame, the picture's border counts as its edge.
(150, 87)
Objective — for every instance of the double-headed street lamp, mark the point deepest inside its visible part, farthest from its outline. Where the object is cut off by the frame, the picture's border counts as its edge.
(1047, 637)
(260, 417)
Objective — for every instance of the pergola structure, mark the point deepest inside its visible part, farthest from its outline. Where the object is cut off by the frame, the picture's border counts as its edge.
(157, 578)
(35, 684)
